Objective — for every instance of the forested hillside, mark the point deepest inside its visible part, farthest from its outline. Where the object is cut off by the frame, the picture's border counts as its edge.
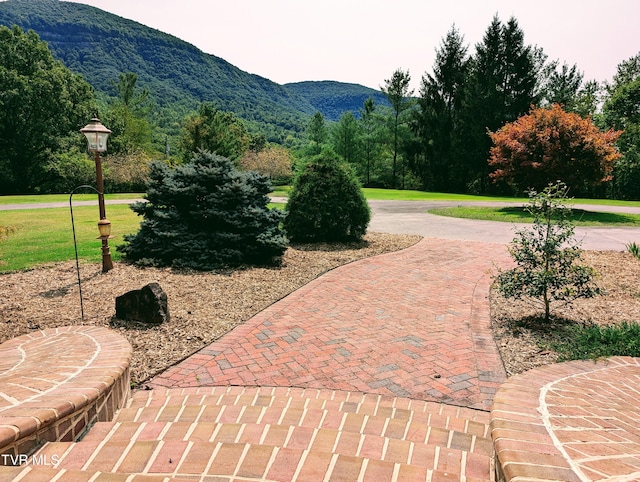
(333, 98)
(164, 97)
(179, 76)
(100, 45)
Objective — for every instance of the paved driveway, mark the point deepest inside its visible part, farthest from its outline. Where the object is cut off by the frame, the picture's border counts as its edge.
(411, 217)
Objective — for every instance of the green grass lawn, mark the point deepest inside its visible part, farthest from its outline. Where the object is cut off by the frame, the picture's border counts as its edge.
(283, 191)
(517, 214)
(409, 195)
(53, 198)
(45, 236)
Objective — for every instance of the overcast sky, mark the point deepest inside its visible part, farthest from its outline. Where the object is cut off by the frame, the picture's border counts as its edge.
(364, 41)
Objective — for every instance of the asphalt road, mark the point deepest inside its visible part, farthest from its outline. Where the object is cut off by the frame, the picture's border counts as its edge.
(411, 217)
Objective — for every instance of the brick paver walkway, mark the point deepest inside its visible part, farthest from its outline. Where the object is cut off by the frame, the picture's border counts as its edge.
(574, 421)
(409, 324)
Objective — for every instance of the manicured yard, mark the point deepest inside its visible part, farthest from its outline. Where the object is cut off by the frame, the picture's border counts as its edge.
(517, 214)
(44, 236)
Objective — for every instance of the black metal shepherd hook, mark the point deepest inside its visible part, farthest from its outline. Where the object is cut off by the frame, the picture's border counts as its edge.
(75, 244)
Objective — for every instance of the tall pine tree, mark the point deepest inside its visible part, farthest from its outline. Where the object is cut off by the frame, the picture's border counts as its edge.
(346, 139)
(398, 93)
(369, 124)
(503, 83)
(437, 116)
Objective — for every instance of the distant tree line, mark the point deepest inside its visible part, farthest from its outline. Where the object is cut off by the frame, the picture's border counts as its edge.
(44, 105)
(440, 139)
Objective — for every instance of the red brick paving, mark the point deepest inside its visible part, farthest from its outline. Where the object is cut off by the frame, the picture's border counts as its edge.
(572, 421)
(410, 324)
(365, 439)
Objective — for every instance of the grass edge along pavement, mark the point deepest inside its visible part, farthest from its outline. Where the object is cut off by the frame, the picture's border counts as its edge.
(378, 194)
(518, 214)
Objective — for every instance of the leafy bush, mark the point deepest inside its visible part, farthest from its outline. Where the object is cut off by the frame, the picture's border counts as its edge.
(549, 144)
(545, 255)
(204, 215)
(126, 171)
(66, 170)
(275, 162)
(326, 202)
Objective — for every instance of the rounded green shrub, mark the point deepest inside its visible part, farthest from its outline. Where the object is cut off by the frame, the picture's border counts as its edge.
(326, 202)
(204, 215)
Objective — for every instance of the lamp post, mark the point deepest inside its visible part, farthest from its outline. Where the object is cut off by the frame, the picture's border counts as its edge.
(97, 135)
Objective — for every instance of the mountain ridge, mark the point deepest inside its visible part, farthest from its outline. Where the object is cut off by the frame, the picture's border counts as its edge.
(100, 45)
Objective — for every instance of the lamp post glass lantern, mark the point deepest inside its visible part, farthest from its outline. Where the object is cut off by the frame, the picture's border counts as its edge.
(97, 136)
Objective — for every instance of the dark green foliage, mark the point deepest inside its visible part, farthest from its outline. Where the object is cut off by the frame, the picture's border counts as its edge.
(128, 117)
(326, 202)
(436, 121)
(317, 133)
(562, 86)
(621, 111)
(370, 127)
(502, 86)
(546, 255)
(593, 341)
(333, 99)
(398, 93)
(178, 75)
(345, 138)
(214, 130)
(42, 107)
(205, 214)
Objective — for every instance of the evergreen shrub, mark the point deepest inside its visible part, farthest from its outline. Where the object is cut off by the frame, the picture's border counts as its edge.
(205, 215)
(326, 202)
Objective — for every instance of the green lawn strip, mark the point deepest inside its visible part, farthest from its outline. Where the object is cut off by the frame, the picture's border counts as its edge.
(42, 236)
(283, 191)
(517, 214)
(577, 342)
(54, 198)
(45, 236)
(280, 191)
(409, 195)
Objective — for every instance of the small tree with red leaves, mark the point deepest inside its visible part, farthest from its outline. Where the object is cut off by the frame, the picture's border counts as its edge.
(549, 144)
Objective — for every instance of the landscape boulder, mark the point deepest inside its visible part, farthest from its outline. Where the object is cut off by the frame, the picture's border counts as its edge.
(147, 305)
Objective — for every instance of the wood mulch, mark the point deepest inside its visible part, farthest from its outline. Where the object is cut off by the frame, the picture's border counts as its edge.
(523, 339)
(204, 306)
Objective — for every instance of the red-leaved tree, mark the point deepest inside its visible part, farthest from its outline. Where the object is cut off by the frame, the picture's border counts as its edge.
(548, 145)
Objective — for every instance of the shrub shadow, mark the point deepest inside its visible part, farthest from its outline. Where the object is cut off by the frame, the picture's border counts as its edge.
(331, 246)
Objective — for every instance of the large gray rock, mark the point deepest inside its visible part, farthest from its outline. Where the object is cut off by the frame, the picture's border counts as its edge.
(148, 305)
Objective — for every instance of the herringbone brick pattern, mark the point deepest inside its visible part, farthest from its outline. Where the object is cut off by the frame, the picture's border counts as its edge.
(408, 324)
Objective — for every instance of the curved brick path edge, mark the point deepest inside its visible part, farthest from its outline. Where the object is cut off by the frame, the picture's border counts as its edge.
(413, 323)
(573, 421)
